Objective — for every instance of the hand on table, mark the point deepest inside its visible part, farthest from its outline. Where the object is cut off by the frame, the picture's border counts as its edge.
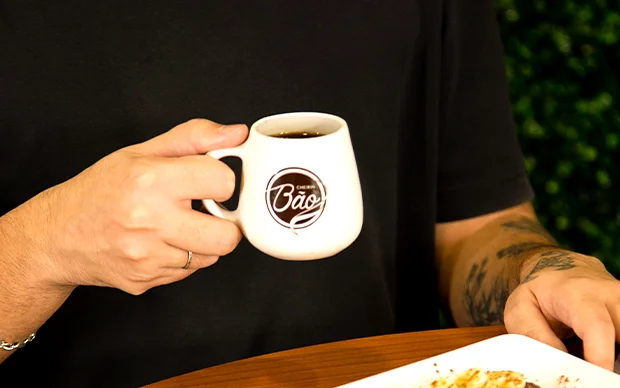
(564, 293)
(127, 222)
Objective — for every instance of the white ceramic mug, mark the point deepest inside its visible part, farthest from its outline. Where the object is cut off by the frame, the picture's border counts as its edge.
(300, 197)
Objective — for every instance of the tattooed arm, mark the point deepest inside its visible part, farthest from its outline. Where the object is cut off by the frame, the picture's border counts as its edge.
(482, 260)
(506, 268)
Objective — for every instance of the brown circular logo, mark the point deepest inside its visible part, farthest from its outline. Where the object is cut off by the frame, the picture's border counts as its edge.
(295, 198)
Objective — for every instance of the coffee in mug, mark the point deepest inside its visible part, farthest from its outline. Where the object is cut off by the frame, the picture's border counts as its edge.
(299, 134)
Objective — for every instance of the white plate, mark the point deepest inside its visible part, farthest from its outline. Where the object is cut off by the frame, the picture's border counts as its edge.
(541, 364)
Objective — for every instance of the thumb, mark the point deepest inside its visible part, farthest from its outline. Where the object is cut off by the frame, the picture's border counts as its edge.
(194, 137)
(525, 317)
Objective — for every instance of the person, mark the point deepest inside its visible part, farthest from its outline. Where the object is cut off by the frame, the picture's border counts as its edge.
(107, 110)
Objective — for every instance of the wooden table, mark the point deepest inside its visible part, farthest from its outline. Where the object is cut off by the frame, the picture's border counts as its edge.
(332, 364)
(337, 363)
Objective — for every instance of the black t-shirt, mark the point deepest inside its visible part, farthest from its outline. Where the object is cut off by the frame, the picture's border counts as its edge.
(420, 82)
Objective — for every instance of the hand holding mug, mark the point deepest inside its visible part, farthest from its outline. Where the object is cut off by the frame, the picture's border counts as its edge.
(127, 222)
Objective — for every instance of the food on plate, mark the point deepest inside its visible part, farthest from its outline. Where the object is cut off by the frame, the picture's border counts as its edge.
(477, 378)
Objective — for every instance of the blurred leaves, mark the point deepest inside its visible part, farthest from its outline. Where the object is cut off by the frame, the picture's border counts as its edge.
(561, 60)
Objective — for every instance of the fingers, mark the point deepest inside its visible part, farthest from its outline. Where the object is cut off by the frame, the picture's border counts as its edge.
(173, 275)
(593, 323)
(165, 266)
(194, 137)
(137, 287)
(525, 317)
(200, 261)
(174, 258)
(197, 177)
(198, 232)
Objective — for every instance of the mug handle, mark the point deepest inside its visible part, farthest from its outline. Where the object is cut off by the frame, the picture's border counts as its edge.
(216, 208)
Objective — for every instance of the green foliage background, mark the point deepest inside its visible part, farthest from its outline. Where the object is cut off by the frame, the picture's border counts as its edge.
(563, 58)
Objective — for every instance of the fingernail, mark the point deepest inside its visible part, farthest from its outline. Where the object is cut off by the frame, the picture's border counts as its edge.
(231, 129)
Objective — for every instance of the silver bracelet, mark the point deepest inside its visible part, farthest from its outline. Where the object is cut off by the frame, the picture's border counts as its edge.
(8, 346)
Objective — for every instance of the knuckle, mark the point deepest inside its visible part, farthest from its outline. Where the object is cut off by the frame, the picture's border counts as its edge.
(197, 122)
(602, 324)
(145, 179)
(137, 198)
(197, 127)
(132, 249)
(143, 175)
(509, 307)
(511, 313)
(138, 217)
(227, 238)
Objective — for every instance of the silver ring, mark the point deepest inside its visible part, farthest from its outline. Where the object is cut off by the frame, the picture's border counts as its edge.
(189, 259)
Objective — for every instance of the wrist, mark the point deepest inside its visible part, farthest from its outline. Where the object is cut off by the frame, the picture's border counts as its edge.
(27, 244)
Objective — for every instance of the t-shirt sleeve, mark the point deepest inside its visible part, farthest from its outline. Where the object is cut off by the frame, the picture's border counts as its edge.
(481, 167)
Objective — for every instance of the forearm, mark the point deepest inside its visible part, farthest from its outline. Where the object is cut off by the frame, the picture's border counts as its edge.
(488, 265)
(28, 294)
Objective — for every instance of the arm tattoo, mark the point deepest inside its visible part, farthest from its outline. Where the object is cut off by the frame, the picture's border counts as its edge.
(485, 307)
(485, 298)
(558, 260)
(516, 250)
(529, 225)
